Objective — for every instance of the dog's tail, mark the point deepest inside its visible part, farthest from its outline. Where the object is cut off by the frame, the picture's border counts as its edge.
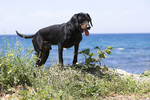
(24, 36)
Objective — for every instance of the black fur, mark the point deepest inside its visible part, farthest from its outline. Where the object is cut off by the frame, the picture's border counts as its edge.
(64, 35)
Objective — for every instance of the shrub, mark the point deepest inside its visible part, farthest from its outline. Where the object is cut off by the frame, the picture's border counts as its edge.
(15, 67)
(146, 74)
(91, 59)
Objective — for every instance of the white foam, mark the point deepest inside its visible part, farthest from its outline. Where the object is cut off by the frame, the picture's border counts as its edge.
(120, 48)
(65, 48)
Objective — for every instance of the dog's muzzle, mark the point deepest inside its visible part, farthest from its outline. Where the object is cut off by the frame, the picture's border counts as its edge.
(85, 27)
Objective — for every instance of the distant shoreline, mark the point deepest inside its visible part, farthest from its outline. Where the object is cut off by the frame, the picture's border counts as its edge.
(90, 34)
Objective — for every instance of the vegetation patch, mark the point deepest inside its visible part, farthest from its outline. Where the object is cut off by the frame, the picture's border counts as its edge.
(20, 79)
(146, 74)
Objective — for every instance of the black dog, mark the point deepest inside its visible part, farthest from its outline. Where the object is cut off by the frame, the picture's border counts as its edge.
(64, 35)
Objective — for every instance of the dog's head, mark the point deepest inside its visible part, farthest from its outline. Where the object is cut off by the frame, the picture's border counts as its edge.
(81, 22)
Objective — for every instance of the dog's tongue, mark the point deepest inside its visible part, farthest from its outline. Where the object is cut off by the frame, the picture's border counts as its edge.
(86, 32)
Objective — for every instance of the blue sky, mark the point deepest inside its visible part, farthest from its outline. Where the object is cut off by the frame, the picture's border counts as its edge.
(108, 16)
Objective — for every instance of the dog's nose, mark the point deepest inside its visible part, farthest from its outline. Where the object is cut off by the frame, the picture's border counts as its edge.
(88, 27)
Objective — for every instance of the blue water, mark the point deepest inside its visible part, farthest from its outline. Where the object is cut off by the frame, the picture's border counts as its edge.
(131, 51)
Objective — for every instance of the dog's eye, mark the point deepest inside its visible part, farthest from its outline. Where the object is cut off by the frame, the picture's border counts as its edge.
(82, 20)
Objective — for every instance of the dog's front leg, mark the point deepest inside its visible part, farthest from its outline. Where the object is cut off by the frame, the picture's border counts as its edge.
(76, 47)
(60, 53)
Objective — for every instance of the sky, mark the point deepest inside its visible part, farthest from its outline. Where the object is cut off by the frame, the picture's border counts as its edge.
(108, 16)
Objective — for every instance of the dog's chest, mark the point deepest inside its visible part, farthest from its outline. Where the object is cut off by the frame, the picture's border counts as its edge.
(71, 40)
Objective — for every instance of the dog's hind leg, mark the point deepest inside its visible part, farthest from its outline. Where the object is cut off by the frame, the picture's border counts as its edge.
(37, 51)
(45, 52)
(44, 57)
(39, 55)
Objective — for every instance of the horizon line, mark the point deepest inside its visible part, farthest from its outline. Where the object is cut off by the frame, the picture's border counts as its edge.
(99, 33)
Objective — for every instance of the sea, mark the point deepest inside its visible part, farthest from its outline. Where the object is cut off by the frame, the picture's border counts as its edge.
(131, 52)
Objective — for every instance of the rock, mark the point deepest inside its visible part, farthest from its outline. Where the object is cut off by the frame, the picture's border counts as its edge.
(136, 77)
(122, 72)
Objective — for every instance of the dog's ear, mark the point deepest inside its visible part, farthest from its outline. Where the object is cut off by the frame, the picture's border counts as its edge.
(89, 19)
(74, 19)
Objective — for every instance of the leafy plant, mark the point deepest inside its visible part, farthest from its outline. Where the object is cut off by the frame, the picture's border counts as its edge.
(15, 68)
(146, 74)
(91, 59)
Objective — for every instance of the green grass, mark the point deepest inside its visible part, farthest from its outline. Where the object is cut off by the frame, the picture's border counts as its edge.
(21, 79)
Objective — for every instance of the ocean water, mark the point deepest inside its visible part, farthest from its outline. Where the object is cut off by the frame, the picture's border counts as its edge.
(131, 51)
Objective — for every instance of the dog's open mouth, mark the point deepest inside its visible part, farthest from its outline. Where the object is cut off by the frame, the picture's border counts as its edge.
(85, 29)
(86, 32)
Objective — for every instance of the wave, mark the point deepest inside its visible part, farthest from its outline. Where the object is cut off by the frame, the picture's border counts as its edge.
(120, 48)
(134, 48)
